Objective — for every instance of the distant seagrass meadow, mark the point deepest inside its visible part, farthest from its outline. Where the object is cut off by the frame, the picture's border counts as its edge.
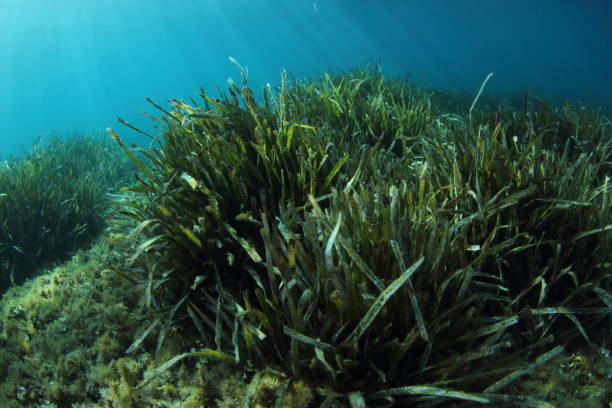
(408, 218)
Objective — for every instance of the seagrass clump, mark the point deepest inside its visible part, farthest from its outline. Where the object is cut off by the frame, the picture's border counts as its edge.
(52, 201)
(383, 257)
(217, 168)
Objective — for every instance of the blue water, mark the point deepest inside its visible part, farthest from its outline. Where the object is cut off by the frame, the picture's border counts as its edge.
(73, 65)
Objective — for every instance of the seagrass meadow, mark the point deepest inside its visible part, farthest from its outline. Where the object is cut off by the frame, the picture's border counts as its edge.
(336, 241)
(52, 201)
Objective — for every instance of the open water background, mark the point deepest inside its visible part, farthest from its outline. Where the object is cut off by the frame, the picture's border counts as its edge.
(75, 65)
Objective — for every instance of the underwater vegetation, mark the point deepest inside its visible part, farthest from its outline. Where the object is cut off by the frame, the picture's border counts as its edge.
(345, 233)
(52, 201)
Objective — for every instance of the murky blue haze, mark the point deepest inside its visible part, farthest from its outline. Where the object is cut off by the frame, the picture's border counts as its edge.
(73, 65)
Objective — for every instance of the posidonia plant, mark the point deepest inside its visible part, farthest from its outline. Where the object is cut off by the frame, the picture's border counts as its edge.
(346, 233)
